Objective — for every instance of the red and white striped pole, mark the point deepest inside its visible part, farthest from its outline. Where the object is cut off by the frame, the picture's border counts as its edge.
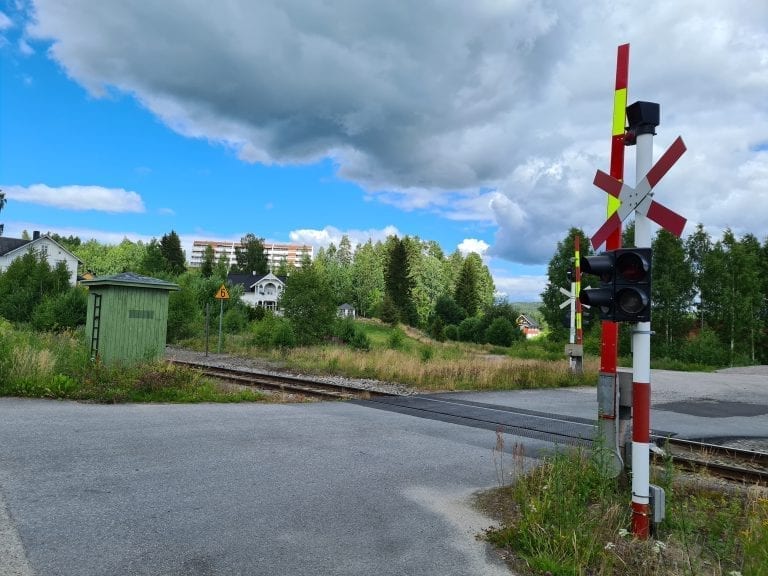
(641, 366)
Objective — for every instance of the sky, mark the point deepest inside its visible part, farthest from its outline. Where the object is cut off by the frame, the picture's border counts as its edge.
(476, 124)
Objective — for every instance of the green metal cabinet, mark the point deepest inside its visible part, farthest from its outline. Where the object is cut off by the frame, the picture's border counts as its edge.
(127, 317)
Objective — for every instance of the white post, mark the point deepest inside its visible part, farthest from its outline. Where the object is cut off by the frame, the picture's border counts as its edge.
(641, 369)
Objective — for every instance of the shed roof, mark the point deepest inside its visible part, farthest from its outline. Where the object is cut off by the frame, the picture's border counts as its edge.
(131, 279)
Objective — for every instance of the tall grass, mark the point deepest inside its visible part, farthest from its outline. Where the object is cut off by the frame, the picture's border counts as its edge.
(565, 518)
(43, 365)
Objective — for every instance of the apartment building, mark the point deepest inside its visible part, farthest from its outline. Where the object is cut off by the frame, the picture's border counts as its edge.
(276, 253)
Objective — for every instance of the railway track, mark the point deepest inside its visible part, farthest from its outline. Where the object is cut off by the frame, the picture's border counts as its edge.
(723, 462)
(299, 385)
(734, 464)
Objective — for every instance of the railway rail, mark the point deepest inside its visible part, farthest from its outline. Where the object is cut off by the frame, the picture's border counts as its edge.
(299, 385)
(733, 464)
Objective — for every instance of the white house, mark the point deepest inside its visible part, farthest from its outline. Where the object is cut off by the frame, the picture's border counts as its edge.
(52, 251)
(263, 291)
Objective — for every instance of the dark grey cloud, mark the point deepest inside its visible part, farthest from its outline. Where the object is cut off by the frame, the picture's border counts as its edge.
(418, 99)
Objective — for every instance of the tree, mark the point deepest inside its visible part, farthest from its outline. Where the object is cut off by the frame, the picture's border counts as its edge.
(672, 289)
(485, 286)
(367, 278)
(501, 332)
(26, 283)
(170, 248)
(448, 311)
(206, 266)
(153, 263)
(398, 281)
(250, 256)
(344, 253)
(697, 245)
(429, 277)
(466, 294)
(307, 303)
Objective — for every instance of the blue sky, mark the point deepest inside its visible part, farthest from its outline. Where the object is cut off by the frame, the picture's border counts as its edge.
(477, 125)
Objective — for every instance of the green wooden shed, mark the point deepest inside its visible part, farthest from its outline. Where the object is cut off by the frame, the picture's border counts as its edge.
(127, 317)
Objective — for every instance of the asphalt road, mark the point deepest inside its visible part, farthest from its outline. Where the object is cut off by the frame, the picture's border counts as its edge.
(324, 488)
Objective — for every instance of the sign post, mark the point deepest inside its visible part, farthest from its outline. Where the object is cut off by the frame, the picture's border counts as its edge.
(221, 294)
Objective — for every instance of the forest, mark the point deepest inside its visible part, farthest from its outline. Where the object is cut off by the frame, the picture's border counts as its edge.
(709, 306)
(709, 297)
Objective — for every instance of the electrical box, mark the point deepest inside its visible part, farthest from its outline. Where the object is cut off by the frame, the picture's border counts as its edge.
(657, 503)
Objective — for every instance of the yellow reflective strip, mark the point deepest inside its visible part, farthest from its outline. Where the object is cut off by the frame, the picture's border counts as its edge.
(619, 111)
(613, 205)
(578, 289)
(578, 321)
(577, 258)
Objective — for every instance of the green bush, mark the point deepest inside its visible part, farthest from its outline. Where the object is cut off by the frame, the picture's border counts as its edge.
(470, 330)
(500, 332)
(360, 341)
(234, 321)
(452, 332)
(273, 332)
(705, 348)
(61, 311)
(396, 339)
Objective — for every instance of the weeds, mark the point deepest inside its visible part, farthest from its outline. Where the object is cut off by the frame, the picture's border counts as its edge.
(567, 518)
(42, 365)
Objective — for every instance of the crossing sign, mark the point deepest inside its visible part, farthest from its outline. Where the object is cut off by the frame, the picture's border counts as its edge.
(640, 198)
(222, 293)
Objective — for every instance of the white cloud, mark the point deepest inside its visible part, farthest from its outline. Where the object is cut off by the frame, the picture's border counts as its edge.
(473, 245)
(323, 238)
(114, 200)
(5, 22)
(482, 111)
(519, 288)
(14, 230)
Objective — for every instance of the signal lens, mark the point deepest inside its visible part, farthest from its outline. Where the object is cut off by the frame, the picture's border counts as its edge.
(632, 266)
(631, 301)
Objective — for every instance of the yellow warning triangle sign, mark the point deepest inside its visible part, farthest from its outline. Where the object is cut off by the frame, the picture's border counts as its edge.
(222, 293)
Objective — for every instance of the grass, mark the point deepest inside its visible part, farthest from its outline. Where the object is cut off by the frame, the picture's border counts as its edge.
(565, 518)
(42, 365)
(406, 356)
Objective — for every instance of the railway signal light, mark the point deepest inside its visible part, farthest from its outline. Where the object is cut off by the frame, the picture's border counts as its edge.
(624, 293)
(601, 297)
(632, 300)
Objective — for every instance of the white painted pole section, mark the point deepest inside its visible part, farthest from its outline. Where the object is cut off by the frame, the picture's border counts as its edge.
(641, 370)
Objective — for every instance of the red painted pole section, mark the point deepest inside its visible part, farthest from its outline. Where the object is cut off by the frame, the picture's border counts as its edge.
(610, 330)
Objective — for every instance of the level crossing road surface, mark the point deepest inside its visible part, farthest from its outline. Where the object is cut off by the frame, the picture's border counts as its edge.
(322, 488)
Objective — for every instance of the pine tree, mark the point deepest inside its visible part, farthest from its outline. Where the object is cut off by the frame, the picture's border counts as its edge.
(398, 281)
(170, 248)
(466, 294)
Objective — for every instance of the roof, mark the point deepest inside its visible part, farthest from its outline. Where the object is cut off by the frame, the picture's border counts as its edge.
(8, 245)
(346, 307)
(131, 279)
(525, 319)
(248, 281)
